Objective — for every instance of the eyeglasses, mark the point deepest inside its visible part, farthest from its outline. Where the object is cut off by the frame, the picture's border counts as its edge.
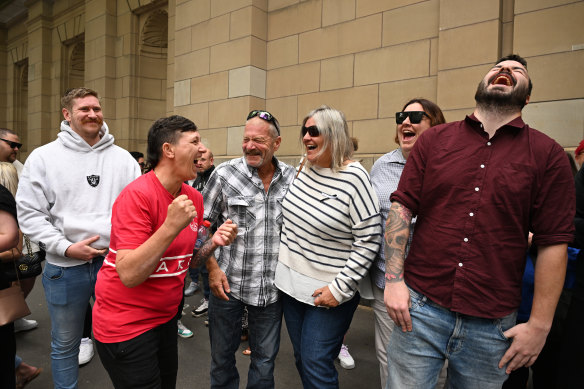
(13, 145)
(312, 131)
(266, 116)
(415, 116)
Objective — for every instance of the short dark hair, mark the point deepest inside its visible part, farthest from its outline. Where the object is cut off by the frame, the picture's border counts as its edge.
(432, 109)
(165, 130)
(522, 61)
(136, 155)
(76, 93)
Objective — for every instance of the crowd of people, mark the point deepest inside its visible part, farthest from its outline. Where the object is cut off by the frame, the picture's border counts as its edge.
(441, 236)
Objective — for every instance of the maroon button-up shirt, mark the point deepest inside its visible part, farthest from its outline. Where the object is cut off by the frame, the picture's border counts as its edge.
(476, 199)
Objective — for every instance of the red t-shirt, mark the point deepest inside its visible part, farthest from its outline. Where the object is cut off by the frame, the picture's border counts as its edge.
(121, 313)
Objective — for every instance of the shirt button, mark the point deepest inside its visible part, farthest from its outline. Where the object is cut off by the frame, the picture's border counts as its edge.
(488, 143)
(460, 264)
(471, 214)
(477, 189)
(465, 239)
(482, 166)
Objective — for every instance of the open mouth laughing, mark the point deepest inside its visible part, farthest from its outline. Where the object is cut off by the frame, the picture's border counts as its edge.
(503, 79)
(408, 134)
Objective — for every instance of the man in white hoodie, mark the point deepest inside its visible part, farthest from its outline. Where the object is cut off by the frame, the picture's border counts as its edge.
(64, 200)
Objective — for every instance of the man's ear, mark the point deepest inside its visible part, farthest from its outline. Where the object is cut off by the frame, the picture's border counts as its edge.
(277, 143)
(527, 100)
(66, 114)
(168, 150)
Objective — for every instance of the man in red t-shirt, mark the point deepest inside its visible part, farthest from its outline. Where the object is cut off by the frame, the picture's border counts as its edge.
(154, 227)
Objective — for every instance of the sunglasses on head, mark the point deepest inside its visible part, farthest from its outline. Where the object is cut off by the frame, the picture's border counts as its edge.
(13, 145)
(415, 116)
(265, 115)
(312, 131)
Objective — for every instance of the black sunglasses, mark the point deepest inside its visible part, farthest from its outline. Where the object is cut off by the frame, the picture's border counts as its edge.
(415, 116)
(312, 131)
(13, 145)
(266, 116)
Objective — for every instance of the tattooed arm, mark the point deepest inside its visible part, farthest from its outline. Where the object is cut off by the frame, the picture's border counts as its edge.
(224, 236)
(396, 294)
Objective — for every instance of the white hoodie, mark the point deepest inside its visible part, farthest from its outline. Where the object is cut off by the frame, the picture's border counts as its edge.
(67, 189)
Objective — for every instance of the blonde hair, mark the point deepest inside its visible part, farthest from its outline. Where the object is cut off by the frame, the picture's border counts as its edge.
(8, 177)
(332, 125)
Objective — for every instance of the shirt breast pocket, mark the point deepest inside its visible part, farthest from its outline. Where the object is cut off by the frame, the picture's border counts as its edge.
(240, 209)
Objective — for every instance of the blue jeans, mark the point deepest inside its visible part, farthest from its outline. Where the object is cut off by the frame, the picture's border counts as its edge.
(194, 274)
(473, 346)
(265, 324)
(68, 290)
(317, 336)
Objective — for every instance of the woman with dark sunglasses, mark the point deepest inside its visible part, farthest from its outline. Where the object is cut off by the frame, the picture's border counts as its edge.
(331, 232)
(416, 116)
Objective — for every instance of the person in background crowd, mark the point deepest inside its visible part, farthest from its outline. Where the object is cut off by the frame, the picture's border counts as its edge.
(477, 186)
(571, 358)
(64, 200)
(9, 180)
(139, 157)
(205, 167)
(154, 226)
(9, 238)
(249, 190)
(416, 116)
(9, 147)
(331, 231)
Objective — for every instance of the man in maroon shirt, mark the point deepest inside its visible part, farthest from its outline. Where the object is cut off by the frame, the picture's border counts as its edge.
(478, 187)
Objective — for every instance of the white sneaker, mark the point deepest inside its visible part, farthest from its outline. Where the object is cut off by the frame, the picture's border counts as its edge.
(25, 325)
(202, 309)
(191, 289)
(183, 331)
(347, 361)
(85, 351)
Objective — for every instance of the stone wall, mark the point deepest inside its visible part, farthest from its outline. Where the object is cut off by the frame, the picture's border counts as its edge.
(215, 60)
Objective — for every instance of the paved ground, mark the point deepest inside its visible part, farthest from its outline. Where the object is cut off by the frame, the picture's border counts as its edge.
(194, 353)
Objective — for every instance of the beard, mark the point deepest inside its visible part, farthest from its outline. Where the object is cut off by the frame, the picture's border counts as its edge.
(499, 101)
(254, 154)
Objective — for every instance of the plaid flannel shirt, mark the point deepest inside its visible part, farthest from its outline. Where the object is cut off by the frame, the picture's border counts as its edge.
(235, 191)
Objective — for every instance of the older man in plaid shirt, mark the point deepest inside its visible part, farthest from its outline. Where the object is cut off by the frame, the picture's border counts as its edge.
(248, 190)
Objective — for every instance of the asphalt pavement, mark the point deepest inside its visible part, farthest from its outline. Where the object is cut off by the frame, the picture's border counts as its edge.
(195, 353)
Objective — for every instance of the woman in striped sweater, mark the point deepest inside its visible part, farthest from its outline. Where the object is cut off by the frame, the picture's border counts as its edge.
(331, 232)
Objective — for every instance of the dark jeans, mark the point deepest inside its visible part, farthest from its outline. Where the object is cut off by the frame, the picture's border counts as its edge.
(571, 358)
(225, 336)
(317, 335)
(148, 361)
(194, 274)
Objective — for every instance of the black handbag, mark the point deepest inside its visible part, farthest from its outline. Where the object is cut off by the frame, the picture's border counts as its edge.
(28, 265)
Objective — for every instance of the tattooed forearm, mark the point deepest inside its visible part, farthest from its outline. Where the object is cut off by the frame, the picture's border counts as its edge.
(397, 231)
(204, 253)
